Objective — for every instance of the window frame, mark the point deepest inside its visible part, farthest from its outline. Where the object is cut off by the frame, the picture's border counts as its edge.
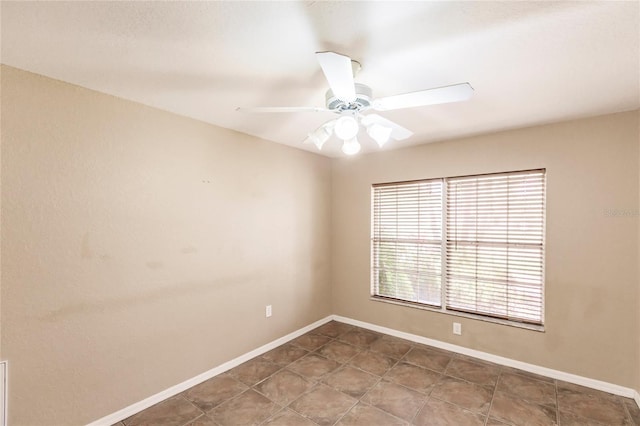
(444, 268)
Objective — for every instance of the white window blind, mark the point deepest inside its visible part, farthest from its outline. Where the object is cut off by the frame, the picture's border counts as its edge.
(478, 238)
(407, 241)
(495, 252)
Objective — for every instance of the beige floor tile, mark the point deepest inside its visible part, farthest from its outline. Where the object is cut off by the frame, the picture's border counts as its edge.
(339, 351)
(527, 388)
(333, 329)
(311, 342)
(214, 391)
(203, 420)
(254, 371)
(414, 377)
(566, 386)
(440, 413)
(352, 381)
(313, 366)
(285, 354)
(467, 395)
(494, 422)
(527, 374)
(395, 399)
(569, 419)
(283, 387)
(323, 405)
(248, 408)
(359, 337)
(594, 405)
(433, 360)
(288, 417)
(517, 411)
(372, 362)
(474, 372)
(633, 409)
(391, 346)
(366, 415)
(175, 411)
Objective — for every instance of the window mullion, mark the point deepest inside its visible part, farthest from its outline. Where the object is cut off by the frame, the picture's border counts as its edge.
(444, 282)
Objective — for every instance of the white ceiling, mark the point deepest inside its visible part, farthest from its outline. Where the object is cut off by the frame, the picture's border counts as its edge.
(529, 62)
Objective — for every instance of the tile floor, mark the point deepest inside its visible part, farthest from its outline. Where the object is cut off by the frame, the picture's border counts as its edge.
(338, 374)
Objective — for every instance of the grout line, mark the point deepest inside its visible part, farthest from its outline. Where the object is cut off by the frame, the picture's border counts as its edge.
(388, 413)
(197, 408)
(626, 410)
(424, 403)
(282, 408)
(555, 386)
(312, 387)
(194, 419)
(346, 412)
(493, 395)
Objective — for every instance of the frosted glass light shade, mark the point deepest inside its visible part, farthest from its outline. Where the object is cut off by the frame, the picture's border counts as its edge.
(346, 127)
(320, 136)
(351, 146)
(379, 133)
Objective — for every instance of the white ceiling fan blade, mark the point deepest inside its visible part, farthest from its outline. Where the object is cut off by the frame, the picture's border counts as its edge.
(397, 131)
(283, 109)
(439, 95)
(339, 73)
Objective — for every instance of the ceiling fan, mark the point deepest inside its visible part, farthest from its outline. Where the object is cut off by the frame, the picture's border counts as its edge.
(350, 100)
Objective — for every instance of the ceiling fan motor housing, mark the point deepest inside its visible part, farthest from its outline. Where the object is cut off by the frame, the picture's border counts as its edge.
(362, 101)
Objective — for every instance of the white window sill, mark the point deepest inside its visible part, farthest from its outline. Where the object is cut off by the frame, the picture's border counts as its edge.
(516, 324)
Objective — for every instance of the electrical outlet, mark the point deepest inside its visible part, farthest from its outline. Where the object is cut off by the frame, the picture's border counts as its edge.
(268, 311)
(457, 328)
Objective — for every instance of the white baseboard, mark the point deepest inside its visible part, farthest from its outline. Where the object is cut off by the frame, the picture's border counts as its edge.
(543, 371)
(176, 389)
(532, 368)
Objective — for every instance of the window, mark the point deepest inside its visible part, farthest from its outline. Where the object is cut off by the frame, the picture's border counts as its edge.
(472, 244)
(407, 241)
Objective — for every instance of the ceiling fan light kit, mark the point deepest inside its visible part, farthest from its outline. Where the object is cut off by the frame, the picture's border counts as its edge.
(379, 133)
(320, 136)
(351, 146)
(346, 127)
(350, 100)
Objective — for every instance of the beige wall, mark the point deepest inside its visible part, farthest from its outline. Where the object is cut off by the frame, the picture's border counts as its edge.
(591, 259)
(140, 248)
